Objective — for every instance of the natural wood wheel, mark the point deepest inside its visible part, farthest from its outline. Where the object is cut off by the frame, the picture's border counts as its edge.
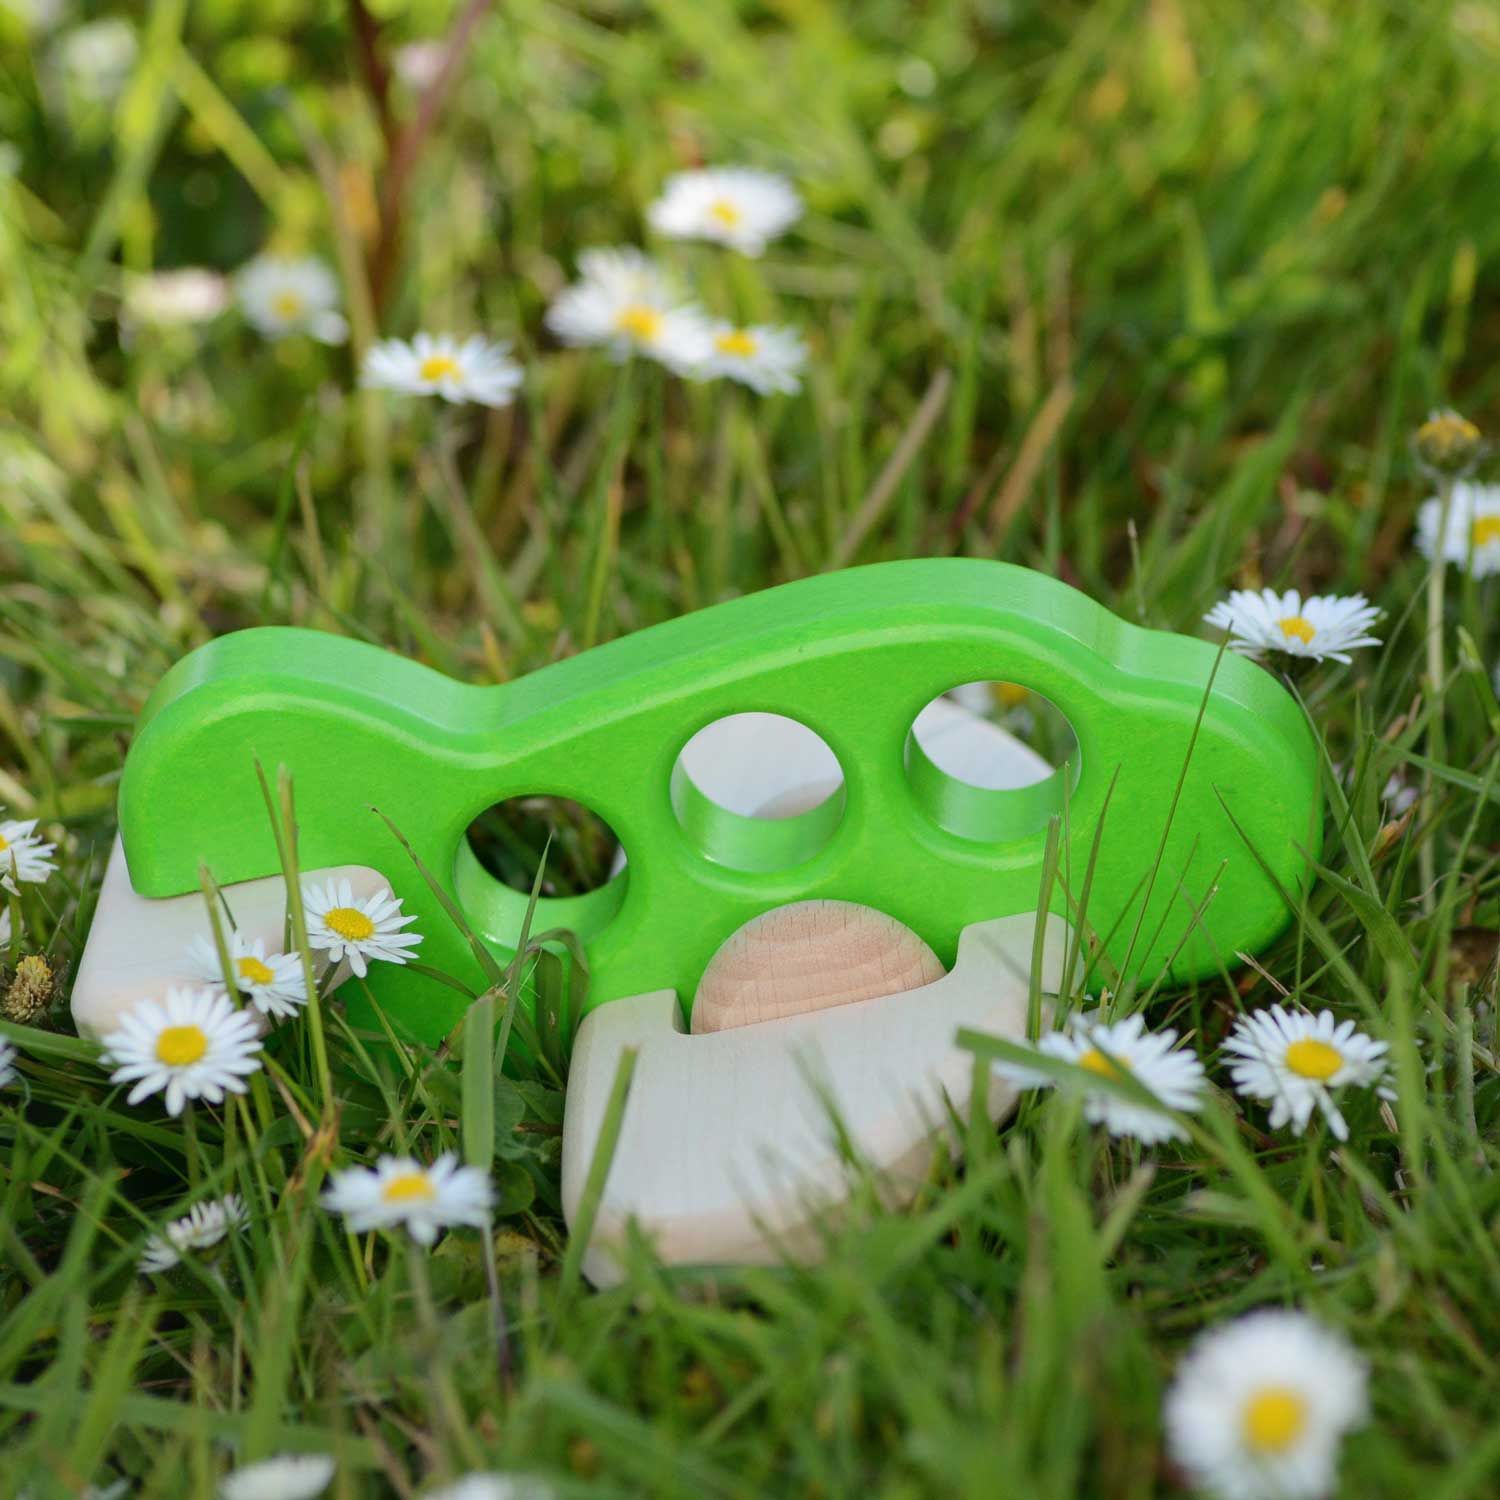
(809, 956)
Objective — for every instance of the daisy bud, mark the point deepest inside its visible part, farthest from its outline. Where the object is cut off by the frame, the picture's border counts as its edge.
(1448, 444)
(30, 991)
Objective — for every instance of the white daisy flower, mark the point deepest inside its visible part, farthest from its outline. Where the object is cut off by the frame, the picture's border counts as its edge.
(289, 1476)
(418, 64)
(1259, 1407)
(494, 1487)
(1297, 1061)
(1398, 798)
(1173, 1075)
(272, 982)
(167, 299)
(735, 206)
(97, 58)
(280, 296)
(764, 357)
(1322, 626)
(342, 927)
(402, 1191)
(623, 302)
(7, 1063)
(1473, 528)
(193, 1044)
(439, 365)
(23, 854)
(204, 1225)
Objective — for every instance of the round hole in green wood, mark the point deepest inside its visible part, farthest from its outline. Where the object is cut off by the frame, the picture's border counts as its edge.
(757, 792)
(583, 882)
(997, 769)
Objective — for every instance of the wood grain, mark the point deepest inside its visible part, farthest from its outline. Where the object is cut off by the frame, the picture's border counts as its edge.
(810, 955)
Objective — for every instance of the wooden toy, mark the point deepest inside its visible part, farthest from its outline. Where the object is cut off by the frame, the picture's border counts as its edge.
(751, 763)
(1193, 793)
(728, 1152)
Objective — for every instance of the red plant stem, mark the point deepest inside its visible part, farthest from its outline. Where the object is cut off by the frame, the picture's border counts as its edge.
(404, 146)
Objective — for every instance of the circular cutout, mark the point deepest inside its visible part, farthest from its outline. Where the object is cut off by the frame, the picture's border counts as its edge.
(758, 791)
(991, 761)
(583, 882)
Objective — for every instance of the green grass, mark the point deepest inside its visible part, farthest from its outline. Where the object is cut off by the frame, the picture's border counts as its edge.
(1147, 295)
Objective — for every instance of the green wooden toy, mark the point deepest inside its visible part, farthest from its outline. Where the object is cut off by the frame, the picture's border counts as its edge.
(854, 656)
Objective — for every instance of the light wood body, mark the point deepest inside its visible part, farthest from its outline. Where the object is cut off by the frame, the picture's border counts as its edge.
(137, 946)
(727, 1152)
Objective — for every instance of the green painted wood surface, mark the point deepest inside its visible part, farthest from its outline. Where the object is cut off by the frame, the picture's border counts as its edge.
(855, 656)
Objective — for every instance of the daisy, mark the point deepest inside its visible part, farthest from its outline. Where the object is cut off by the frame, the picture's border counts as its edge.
(23, 855)
(1174, 1076)
(204, 1225)
(735, 206)
(623, 302)
(494, 1487)
(1324, 625)
(1259, 1407)
(418, 64)
(193, 1044)
(342, 927)
(167, 299)
(289, 1476)
(763, 357)
(1397, 797)
(1473, 529)
(279, 296)
(97, 58)
(402, 1191)
(272, 982)
(1298, 1061)
(7, 1063)
(439, 365)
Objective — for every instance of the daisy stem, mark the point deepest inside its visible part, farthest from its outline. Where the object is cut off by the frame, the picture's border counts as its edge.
(1436, 585)
(445, 1397)
(227, 970)
(13, 902)
(190, 1135)
(497, 1309)
(284, 829)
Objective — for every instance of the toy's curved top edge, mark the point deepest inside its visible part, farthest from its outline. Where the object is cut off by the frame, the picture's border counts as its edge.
(961, 585)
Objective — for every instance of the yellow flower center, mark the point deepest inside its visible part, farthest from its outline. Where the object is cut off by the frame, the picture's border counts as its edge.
(736, 342)
(1274, 1418)
(351, 925)
(4, 843)
(725, 212)
(1094, 1061)
(1295, 625)
(1313, 1059)
(410, 1187)
(179, 1046)
(437, 367)
(287, 305)
(639, 322)
(254, 970)
(1486, 529)
(1011, 694)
